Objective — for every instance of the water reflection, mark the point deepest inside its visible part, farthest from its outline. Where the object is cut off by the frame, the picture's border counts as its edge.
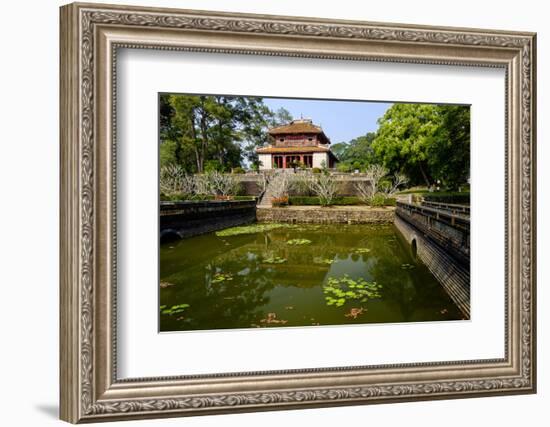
(260, 280)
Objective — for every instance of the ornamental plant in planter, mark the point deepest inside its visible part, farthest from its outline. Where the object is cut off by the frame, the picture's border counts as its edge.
(278, 202)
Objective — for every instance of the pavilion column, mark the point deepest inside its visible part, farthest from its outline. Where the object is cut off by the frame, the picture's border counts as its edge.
(301, 158)
(284, 162)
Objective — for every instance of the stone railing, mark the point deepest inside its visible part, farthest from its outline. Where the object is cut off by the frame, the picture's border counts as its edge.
(448, 230)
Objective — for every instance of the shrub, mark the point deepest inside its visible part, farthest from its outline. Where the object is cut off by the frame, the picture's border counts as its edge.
(303, 200)
(300, 185)
(377, 200)
(340, 201)
(324, 187)
(316, 170)
(222, 184)
(278, 202)
(238, 170)
(315, 201)
(448, 197)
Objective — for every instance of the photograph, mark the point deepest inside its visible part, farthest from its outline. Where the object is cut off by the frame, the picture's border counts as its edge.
(280, 212)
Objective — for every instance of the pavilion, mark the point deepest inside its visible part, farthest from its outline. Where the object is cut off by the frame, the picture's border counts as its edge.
(298, 143)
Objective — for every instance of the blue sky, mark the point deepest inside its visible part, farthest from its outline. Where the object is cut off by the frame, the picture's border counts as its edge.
(341, 120)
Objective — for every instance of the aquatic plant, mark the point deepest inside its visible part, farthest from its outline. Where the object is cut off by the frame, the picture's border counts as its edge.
(297, 242)
(222, 277)
(175, 309)
(274, 260)
(338, 291)
(407, 266)
(250, 229)
(361, 251)
(320, 260)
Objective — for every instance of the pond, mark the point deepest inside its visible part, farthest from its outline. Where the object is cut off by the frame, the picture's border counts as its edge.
(279, 275)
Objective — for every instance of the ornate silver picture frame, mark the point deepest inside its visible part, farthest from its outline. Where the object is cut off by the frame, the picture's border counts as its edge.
(90, 36)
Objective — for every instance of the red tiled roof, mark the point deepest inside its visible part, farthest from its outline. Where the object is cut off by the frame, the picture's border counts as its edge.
(274, 150)
(296, 126)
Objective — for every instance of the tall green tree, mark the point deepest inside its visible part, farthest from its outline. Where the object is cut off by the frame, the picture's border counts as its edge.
(355, 154)
(428, 142)
(203, 132)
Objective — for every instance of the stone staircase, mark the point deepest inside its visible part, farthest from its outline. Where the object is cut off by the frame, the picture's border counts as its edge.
(265, 201)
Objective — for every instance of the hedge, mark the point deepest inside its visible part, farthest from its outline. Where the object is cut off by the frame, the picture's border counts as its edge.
(180, 198)
(338, 201)
(448, 197)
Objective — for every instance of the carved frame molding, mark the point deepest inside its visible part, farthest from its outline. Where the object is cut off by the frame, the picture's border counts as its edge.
(90, 37)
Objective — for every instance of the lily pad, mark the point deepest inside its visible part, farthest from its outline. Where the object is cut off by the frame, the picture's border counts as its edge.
(339, 290)
(274, 260)
(320, 260)
(222, 277)
(175, 309)
(407, 266)
(298, 242)
(361, 251)
(251, 229)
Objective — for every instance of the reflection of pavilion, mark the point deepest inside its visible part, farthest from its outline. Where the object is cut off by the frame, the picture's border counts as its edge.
(299, 143)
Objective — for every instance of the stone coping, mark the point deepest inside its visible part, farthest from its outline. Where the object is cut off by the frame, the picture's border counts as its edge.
(359, 208)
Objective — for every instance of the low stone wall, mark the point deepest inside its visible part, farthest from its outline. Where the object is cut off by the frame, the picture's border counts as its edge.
(333, 215)
(453, 275)
(191, 218)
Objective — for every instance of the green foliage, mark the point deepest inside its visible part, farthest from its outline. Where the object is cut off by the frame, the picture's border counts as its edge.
(222, 277)
(324, 261)
(338, 291)
(213, 165)
(207, 133)
(426, 142)
(298, 242)
(378, 200)
(355, 154)
(237, 170)
(315, 170)
(361, 251)
(175, 309)
(250, 229)
(274, 260)
(448, 197)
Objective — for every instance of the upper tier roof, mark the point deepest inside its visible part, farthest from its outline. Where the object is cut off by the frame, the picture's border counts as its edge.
(296, 126)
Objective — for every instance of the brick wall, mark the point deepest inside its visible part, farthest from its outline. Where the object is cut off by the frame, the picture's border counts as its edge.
(326, 215)
(453, 276)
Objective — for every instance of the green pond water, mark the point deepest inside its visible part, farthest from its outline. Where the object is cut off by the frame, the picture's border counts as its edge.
(297, 275)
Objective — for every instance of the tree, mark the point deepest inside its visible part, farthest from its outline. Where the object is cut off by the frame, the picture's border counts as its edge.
(355, 154)
(368, 188)
(324, 186)
(389, 188)
(197, 130)
(451, 155)
(427, 142)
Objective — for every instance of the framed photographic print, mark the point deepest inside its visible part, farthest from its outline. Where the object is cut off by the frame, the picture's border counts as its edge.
(268, 212)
